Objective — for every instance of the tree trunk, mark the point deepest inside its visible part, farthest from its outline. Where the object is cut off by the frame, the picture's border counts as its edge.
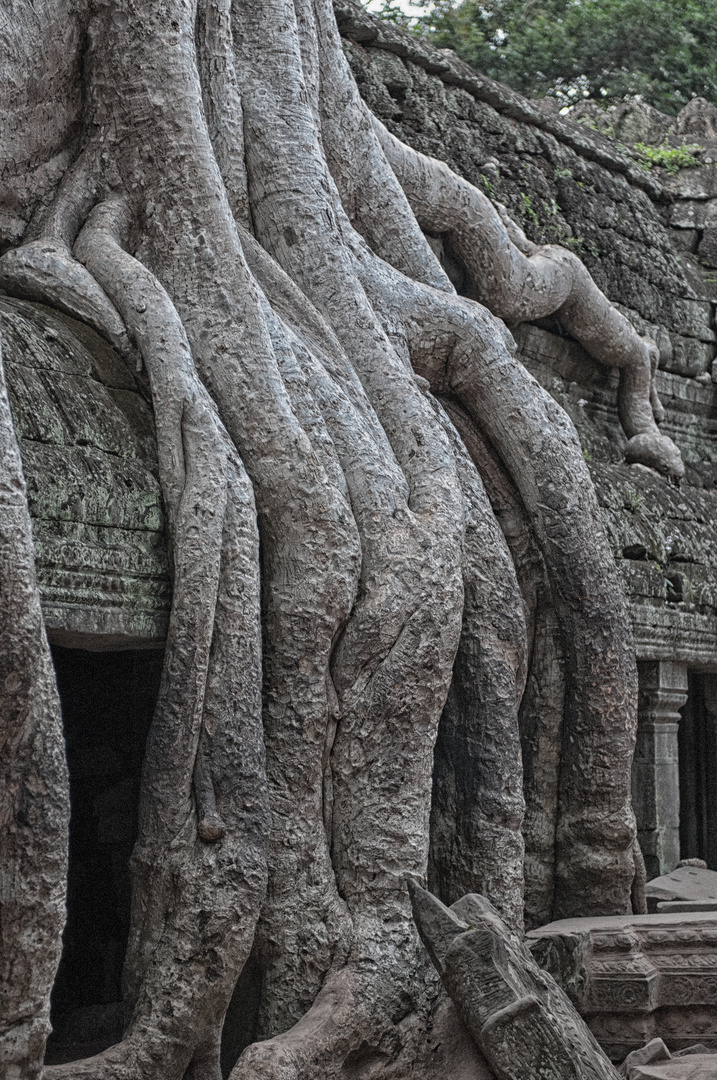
(34, 789)
(211, 190)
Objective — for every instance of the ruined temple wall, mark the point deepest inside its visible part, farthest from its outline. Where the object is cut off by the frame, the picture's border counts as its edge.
(86, 433)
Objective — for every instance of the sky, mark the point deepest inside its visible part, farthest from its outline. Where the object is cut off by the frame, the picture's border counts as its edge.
(405, 5)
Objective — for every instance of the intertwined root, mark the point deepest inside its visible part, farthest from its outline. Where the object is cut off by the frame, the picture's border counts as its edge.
(293, 370)
(519, 281)
(34, 788)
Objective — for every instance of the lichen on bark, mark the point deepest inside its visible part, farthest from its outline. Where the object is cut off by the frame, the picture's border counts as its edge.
(367, 494)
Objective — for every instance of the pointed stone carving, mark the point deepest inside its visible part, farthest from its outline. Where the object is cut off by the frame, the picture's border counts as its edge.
(523, 1023)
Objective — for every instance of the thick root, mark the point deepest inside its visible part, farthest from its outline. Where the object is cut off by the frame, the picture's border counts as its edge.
(458, 347)
(391, 667)
(310, 547)
(371, 520)
(543, 701)
(477, 806)
(34, 786)
(548, 280)
(44, 270)
(222, 100)
(203, 793)
(370, 193)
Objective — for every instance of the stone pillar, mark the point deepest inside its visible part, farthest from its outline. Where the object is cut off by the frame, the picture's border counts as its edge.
(655, 769)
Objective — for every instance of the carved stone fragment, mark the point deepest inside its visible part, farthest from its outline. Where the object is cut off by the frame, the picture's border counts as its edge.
(521, 1020)
(638, 977)
(655, 1062)
(693, 885)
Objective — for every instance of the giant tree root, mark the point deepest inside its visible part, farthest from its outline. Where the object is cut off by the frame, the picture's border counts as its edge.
(203, 795)
(519, 281)
(542, 704)
(230, 158)
(477, 805)
(34, 787)
(542, 454)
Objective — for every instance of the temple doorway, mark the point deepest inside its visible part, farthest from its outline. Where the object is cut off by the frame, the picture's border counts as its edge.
(108, 699)
(698, 770)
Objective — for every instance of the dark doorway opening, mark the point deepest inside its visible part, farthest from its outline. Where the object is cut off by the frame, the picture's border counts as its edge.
(698, 770)
(108, 699)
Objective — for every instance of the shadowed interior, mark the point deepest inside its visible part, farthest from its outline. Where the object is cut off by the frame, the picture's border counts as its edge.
(108, 699)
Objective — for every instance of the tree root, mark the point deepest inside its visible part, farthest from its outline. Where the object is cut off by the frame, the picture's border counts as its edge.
(222, 101)
(34, 785)
(543, 701)
(44, 270)
(313, 361)
(477, 806)
(370, 195)
(209, 706)
(549, 280)
(541, 451)
(391, 667)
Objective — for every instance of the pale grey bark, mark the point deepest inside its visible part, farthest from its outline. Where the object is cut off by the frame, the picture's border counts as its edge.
(203, 815)
(34, 788)
(542, 704)
(477, 807)
(518, 281)
(250, 240)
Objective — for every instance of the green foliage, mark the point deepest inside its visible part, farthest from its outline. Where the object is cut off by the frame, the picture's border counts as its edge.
(392, 11)
(664, 50)
(667, 157)
(579, 245)
(527, 210)
(633, 500)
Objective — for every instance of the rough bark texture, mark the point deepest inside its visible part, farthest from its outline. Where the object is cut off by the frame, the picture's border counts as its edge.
(34, 790)
(227, 209)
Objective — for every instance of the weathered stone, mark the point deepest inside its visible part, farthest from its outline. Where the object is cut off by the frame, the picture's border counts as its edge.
(693, 1067)
(700, 183)
(689, 883)
(520, 1019)
(689, 214)
(698, 118)
(88, 445)
(707, 250)
(693, 1063)
(655, 767)
(690, 357)
(636, 978)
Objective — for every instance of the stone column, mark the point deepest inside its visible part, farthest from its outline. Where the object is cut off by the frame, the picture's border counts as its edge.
(655, 769)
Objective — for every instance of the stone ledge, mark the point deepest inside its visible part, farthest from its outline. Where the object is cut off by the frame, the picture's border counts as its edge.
(357, 24)
(634, 978)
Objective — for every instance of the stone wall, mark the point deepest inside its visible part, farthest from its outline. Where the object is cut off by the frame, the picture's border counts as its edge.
(88, 447)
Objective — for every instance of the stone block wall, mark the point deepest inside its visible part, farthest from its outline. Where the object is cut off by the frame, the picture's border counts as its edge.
(87, 439)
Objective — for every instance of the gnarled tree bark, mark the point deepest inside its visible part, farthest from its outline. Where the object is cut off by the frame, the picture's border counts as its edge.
(211, 191)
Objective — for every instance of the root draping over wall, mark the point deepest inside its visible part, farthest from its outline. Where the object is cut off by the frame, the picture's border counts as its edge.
(368, 498)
